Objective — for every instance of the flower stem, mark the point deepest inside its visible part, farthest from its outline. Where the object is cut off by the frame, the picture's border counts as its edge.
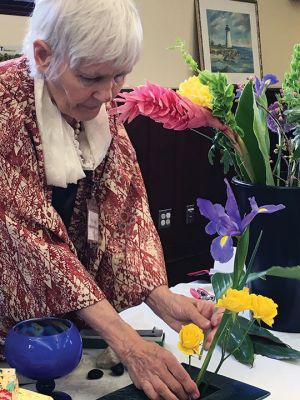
(216, 338)
(201, 134)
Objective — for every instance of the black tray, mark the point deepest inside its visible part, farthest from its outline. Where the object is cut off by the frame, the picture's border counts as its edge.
(220, 388)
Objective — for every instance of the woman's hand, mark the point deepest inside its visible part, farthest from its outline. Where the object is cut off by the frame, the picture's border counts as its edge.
(158, 373)
(151, 367)
(177, 310)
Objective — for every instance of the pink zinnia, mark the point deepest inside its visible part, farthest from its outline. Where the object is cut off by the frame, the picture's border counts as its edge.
(165, 106)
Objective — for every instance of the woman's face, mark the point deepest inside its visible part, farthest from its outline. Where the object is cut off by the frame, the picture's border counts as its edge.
(80, 92)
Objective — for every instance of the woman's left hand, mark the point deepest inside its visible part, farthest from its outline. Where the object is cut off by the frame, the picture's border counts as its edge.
(178, 310)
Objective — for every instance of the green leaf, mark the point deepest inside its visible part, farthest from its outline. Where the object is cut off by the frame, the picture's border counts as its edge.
(250, 121)
(257, 330)
(243, 352)
(249, 266)
(296, 142)
(240, 257)
(220, 283)
(261, 132)
(278, 351)
(281, 272)
(267, 344)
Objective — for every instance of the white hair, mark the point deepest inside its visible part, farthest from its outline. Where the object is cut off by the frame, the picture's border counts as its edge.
(93, 31)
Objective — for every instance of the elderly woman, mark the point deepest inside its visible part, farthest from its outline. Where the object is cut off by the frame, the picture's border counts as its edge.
(75, 228)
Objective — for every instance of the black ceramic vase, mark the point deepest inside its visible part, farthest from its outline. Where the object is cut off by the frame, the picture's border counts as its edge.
(279, 246)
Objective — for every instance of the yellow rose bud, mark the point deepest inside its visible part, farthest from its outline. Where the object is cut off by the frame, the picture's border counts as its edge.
(235, 300)
(190, 338)
(263, 308)
(195, 91)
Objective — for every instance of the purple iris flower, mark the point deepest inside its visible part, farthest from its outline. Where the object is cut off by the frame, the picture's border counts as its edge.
(228, 222)
(261, 85)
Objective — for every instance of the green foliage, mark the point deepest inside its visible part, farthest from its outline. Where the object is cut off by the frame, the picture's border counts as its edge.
(220, 283)
(180, 44)
(257, 340)
(281, 272)
(223, 96)
(240, 258)
(253, 123)
(291, 87)
(248, 149)
(274, 350)
(243, 352)
(262, 342)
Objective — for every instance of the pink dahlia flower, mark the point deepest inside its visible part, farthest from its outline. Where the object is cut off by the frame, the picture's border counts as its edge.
(165, 106)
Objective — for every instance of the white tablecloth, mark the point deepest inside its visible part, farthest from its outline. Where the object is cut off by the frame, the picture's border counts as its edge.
(281, 378)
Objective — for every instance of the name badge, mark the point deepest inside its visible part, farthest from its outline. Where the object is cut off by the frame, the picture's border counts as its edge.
(92, 221)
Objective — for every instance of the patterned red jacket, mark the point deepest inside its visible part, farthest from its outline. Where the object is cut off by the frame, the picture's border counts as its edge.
(45, 269)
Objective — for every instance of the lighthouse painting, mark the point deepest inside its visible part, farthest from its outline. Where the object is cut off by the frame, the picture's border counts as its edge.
(230, 42)
(229, 38)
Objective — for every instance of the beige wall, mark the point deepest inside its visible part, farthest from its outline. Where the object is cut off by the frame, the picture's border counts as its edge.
(165, 20)
(279, 30)
(12, 29)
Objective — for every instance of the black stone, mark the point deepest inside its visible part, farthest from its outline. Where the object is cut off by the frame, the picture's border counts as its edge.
(118, 369)
(95, 374)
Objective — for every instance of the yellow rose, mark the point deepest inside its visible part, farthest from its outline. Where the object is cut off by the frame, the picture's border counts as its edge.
(190, 338)
(263, 308)
(235, 300)
(195, 91)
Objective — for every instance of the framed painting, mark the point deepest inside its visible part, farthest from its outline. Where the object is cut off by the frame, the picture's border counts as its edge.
(16, 7)
(228, 36)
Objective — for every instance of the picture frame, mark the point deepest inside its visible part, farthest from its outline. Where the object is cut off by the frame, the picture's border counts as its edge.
(17, 7)
(228, 37)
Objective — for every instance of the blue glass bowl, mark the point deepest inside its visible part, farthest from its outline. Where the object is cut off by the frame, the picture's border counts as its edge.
(43, 348)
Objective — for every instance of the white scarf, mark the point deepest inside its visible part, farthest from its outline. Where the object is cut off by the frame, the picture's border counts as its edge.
(65, 158)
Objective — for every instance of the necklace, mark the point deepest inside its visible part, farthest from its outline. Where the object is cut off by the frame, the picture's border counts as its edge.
(86, 161)
(77, 130)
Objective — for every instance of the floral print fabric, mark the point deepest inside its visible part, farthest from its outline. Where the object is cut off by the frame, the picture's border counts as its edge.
(45, 269)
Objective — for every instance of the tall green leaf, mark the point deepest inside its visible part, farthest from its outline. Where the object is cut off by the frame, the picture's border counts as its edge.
(244, 279)
(281, 272)
(240, 258)
(250, 120)
(261, 132)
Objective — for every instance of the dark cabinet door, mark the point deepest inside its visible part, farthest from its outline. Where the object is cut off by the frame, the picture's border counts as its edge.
(176, 171)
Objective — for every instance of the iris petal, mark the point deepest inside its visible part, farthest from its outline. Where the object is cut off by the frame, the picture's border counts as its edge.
(231, 206)
(222, 248)
(265, 209)
(207, 209)
(211, 228)
(270, 208)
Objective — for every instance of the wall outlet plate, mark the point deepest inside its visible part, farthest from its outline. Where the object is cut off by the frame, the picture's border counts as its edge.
(190, 214)
(165, 218)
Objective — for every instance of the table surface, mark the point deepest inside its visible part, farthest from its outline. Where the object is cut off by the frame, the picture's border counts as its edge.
(281, 378)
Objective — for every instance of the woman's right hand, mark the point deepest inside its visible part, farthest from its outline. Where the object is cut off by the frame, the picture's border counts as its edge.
(158, 373)
(151, 367)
